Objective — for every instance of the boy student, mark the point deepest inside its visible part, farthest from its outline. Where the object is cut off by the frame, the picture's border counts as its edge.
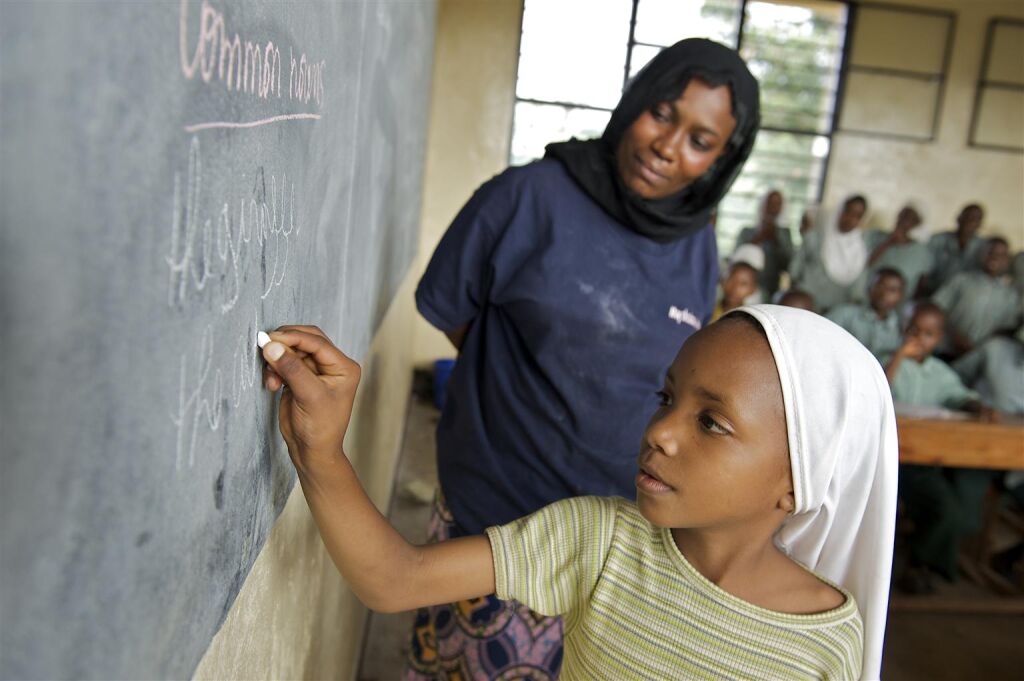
(937, 499)
(774, 239)
(876, 324)
(741, 281)
(773, 453)
(957, 250)
(980, 302)
(899, 251)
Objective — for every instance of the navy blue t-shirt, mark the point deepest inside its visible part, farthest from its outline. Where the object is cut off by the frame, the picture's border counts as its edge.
(573, 320)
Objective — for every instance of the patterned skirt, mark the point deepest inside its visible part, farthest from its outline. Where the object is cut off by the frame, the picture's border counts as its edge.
(483, 639)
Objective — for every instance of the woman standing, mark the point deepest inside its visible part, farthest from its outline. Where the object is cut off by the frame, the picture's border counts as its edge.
(568, 285)
(832, 258)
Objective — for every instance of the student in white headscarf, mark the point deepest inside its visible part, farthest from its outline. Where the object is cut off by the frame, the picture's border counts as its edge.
(759, 546)
(833, 256)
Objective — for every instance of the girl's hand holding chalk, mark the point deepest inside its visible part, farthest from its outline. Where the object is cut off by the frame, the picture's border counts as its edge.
(383, 569)
(321, 386)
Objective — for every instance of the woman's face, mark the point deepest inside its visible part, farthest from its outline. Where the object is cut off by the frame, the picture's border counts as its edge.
(668, 147)
(716, 452)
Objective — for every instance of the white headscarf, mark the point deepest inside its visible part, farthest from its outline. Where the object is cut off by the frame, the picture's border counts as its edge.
(844, 254)
(844, 458)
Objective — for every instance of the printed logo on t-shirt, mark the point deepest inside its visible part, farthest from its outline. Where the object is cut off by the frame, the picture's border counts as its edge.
(683, 316)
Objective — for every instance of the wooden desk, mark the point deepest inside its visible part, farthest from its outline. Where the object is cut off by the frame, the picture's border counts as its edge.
(963, 444)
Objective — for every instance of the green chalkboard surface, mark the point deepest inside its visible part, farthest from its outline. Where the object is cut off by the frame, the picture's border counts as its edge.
(175, 176)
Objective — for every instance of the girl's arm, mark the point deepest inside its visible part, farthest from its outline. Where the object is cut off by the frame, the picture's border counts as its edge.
(385, 571)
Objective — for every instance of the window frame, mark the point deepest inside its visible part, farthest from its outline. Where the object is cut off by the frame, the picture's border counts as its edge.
(983, 83)
(941, 78)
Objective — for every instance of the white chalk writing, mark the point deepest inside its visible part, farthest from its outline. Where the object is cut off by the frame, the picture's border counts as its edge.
(260, 228)
(201, 400)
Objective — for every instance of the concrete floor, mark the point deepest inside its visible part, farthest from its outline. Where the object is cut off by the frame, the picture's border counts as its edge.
(919, 646)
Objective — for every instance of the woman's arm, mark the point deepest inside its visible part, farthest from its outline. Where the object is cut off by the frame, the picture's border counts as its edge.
(385, 571)
(457, 336)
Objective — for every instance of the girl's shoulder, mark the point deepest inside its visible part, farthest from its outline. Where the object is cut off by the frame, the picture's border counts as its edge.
(797, 590)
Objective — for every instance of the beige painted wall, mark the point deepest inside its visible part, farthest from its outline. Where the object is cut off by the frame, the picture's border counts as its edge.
(294, 618)
(945, 174)
(476, 55)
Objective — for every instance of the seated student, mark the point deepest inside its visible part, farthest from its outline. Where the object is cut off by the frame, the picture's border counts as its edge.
(899, 251)
(794, 297)
(1017, 272)
(773, 454)
(936, 498)
(957, 250)
(877, 324)
(831, 260)
(740, 283)
(979, 303)
(774, 239)
(995, 369)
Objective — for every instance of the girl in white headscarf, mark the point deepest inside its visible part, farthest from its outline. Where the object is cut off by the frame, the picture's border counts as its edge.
(833, 256)
(759, 545)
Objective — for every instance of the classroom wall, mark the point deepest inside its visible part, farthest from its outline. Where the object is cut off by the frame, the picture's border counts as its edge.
(944, 174)
(476, 55)
(294, 617)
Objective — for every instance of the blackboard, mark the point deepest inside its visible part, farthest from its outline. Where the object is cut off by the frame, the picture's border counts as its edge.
(175, 177)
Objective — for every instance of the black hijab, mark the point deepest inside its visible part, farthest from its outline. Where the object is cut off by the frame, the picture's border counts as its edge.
(592, 162)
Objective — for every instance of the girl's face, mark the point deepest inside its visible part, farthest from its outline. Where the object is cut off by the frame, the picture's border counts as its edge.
(671, 145)
(716, 453)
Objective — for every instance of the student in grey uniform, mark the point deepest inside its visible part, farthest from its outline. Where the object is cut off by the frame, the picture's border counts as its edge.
(995, 369)
(1017, 272)
(979, 303)
(937, 499)
(833, 255)
(898, 250)
(957, 250)
(875, 324)
(774, 239)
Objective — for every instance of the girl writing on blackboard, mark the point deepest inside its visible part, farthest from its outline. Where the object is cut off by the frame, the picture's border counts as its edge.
(561, 283)
(759, 545)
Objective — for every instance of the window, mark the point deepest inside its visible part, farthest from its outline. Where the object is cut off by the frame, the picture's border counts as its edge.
(896, 72)
(999, 97)
(570, 80)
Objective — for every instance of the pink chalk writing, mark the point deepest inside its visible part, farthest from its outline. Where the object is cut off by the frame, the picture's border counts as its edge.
(244, 65)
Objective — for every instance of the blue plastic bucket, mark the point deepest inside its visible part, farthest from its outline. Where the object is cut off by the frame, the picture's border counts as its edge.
(442, 370)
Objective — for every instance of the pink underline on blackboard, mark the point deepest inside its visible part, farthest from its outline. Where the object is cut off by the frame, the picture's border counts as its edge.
(251, 124)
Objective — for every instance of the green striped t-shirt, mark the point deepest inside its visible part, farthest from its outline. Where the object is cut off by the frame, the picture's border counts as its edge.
(634, 608)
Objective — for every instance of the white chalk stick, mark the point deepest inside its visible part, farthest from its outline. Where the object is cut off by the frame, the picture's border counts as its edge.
(262, 339)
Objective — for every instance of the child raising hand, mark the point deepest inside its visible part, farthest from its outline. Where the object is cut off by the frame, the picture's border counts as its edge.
(727, 566)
